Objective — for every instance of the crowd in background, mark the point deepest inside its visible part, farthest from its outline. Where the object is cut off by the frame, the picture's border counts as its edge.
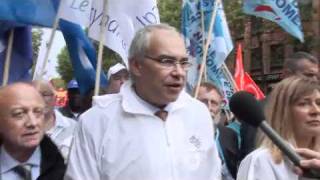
(147, 127)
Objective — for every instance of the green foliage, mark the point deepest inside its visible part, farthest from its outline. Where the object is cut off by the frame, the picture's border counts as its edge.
(170, 12)
(65, 69)
(36, 42)
(235, 16)
(58, 83)
(109, 58)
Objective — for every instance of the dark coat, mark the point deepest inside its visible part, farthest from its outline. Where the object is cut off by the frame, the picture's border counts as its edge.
(52, 165)
(229, 144)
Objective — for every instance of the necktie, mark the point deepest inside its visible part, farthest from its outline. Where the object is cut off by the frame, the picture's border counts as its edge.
(162, 114)
(24, 171)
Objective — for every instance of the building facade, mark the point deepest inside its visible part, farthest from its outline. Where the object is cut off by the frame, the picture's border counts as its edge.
(266, 45)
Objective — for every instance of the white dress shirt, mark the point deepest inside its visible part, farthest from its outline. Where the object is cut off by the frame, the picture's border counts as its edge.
(62, 133)
(259, 165)
(7, 163)
(120, 138)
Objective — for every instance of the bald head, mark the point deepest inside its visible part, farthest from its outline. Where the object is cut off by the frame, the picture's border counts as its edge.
(21, 119)
(16, 91)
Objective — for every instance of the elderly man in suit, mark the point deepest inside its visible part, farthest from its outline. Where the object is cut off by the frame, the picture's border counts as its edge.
(25, 153)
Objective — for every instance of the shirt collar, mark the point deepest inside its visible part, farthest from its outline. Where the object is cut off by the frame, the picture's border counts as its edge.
(7, 162)
(134, 104)
(61, 121)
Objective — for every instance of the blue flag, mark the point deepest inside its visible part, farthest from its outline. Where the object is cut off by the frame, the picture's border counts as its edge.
(21, 56)
(284, 13)
(35, 12)
(82, 53)
(220, 45)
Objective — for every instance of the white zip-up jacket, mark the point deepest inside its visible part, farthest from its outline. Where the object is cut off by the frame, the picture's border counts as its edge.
(120, 138)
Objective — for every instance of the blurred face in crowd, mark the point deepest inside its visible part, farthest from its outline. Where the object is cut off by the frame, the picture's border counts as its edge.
(116, 80)
(21, 117)
(213, 100)
(47, 93)
(306, 115)
(308, 68)
(160, 76)
(74, 100)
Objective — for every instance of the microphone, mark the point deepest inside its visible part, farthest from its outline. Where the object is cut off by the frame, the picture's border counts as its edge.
(248, 109)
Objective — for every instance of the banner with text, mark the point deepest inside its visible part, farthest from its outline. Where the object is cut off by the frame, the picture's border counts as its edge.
(283, 12)
(76, 11)
(123, 19)
(220, 45)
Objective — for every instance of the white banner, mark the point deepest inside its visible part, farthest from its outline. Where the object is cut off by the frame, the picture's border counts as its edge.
(76, 11)
(124, 18)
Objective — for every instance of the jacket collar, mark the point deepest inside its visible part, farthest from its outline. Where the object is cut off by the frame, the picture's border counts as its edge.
(132, 103)
(50, 156)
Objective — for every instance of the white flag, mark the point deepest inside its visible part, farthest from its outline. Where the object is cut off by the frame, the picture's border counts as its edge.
(124, 18)
(76, 11)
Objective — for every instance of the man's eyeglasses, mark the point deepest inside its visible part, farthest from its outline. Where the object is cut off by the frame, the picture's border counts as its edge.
(171, 62)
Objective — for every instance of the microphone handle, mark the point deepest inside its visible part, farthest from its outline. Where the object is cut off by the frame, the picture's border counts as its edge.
(287, 150)
(280, 143)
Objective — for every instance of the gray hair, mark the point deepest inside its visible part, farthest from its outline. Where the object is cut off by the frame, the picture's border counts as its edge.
(141, 40)
(292, 62)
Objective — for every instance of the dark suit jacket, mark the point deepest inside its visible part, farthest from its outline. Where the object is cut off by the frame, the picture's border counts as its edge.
(52, 165)
(248, 135)
(229, 144)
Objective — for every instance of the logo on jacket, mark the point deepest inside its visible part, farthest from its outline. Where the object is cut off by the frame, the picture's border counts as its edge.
(195, 141)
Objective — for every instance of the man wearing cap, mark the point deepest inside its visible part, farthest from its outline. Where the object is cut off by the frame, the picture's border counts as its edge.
(152, 129)
(73, 108)
(117, 75)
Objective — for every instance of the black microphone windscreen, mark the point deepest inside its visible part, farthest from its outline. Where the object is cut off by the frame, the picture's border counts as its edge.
(245, 107)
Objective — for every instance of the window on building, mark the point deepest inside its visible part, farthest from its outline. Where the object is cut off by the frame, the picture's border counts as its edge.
(277, 55)
(256, 59)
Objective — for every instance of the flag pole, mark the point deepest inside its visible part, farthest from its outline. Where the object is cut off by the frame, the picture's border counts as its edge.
(229, 76)
(52, 35)
(101, 46)
(203, 41)
(8, 59)
(205, 52)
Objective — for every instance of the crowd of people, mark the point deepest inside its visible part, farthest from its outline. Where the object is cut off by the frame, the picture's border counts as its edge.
(145, 126)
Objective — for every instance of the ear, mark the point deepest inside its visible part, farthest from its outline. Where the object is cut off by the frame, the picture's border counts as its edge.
(135, 67)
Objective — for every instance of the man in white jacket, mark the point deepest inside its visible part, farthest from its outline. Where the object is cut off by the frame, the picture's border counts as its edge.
(152, 129)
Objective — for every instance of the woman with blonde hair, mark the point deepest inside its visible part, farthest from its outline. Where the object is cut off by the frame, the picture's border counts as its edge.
(293, 111)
